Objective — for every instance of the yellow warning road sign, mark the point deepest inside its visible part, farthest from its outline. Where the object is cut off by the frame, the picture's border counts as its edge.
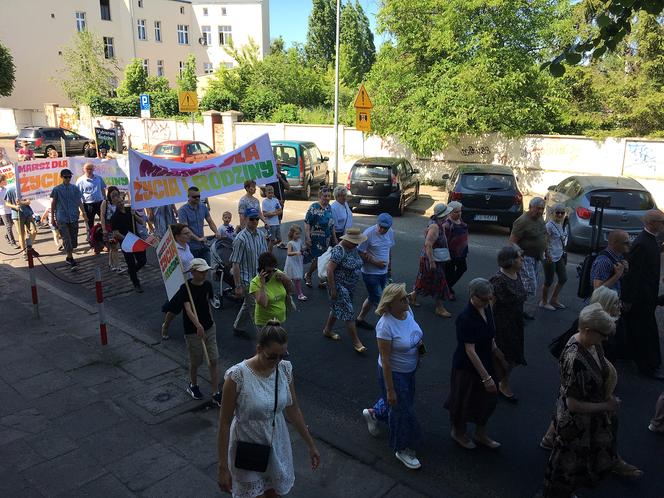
(188, 101)
(362, 101)
(363, 119)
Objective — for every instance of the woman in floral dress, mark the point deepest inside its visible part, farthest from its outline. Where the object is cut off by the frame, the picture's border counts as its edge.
(319, 231)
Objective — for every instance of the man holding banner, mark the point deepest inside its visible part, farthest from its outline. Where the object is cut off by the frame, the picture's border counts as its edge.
(93, 190)
(66, 203)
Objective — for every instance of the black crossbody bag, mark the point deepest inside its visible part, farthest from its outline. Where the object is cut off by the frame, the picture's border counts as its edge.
(253, 456)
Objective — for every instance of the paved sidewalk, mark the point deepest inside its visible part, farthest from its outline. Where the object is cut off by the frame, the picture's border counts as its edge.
(79, 419)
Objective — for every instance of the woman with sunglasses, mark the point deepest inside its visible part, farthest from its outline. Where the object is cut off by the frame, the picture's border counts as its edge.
(586, 420)
(248, 415)
(555, 260)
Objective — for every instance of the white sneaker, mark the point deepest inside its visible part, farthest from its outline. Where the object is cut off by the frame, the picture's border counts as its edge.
(408, 458)
(372, 423)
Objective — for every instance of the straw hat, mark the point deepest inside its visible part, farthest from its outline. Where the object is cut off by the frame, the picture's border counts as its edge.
(441, 210)
(354, 236)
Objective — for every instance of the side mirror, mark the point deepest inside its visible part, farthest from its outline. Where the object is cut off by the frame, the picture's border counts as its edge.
(416, 171)
(446, 176)
(324, 159)
(551, 188)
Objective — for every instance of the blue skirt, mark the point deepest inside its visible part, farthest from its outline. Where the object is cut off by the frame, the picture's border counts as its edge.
(404, 429)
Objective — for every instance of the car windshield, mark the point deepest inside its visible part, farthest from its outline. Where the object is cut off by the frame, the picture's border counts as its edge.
(284, 154)
(29, 134)
(487, 181)
(371, 172)
(627, 200)
(167, 150)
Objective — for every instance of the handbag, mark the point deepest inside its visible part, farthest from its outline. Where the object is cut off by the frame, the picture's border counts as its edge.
(254, 456)
(441, 254)
(323, 259)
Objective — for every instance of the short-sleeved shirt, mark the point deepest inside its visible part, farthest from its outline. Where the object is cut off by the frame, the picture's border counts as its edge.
(227, 230)
(4, 209)
(247, 246)
(531, 235)
(404, 335)
(377, 246)
(247, 202)
(271, 205)
(602, 268)
(201, 295)
(186, 257)
(26, 212)
(472, 329)
(28, 153)
(276, 300)
(194, 218)
(91, 188)
(67, 202)
(279, 191)
(556, 243)
(343, 216)
(122, 221)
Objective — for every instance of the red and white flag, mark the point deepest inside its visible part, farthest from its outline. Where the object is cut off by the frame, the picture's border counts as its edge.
(133, 243)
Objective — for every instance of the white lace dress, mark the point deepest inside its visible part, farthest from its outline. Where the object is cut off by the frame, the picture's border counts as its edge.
(253, 423)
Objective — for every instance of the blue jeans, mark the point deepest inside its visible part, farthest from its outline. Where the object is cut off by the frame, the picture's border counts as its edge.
(375, 285)
(403, 426)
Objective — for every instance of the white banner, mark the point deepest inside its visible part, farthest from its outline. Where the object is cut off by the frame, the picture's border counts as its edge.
(169, 263)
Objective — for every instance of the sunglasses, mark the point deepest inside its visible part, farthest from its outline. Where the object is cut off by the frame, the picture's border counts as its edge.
(66, 176)
(560, 212)
(195, 196)
(273, 357)
(254, 219)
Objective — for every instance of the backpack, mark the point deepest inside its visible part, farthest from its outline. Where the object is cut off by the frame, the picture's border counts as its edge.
(583, 271)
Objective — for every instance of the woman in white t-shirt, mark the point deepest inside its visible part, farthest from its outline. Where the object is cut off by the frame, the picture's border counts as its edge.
(400, 346)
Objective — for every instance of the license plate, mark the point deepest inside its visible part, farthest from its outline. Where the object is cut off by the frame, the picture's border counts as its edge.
(486, 217)
(369, 202)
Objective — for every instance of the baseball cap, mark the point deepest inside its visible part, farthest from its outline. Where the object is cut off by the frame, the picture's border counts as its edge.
(198, 264)
(65, 172)
(251, 213)
(384, 220)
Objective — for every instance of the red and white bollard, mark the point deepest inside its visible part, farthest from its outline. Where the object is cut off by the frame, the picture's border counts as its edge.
(100, 307)
(33, 278)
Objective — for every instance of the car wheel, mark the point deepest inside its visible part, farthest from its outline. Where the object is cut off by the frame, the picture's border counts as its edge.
(401, 208)
(306, 191)
(326, 182)
(417, 192)
(49, 149)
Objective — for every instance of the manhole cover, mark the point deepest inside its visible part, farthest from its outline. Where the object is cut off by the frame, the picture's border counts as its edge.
(161, 398)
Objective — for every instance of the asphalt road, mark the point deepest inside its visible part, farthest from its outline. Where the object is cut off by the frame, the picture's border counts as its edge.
(335, 383)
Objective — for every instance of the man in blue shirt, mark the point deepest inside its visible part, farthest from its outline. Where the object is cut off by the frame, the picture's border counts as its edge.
(610, 264)
(66, 202)
(194, 215)
(93, 190)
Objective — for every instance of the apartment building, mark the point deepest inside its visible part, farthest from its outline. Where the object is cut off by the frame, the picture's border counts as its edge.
(162, 33)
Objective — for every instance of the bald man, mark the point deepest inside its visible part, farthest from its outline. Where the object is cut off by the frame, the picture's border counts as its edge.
(610, 264)
(640, 289)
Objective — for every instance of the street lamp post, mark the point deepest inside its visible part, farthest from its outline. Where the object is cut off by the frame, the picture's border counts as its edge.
(336, 99)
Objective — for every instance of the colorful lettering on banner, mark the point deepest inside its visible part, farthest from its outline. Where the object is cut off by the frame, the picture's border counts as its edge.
(108, 169)
(37, 178)
(169, 263)
(8, 171)
(156, 182)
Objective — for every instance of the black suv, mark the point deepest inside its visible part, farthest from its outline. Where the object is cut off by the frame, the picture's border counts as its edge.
(41, 139)
(488, 192)
(383, 183)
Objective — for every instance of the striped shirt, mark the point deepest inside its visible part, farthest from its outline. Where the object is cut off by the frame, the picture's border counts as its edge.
(602, 268)
(247, 246)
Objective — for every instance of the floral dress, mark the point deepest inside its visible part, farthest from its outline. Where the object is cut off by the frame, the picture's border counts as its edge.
(253, 423)
(321, 221)
(432, 281)
(346, 275)
(585, 443)
(508, 316)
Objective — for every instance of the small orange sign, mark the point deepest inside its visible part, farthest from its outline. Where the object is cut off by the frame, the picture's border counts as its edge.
(363, 119)
(362, 101)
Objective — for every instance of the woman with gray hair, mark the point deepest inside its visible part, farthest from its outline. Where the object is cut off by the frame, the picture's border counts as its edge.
(473, 395)
(456, 232)
(341, 212)
(586, 422)
(555, 259)
(510, 295)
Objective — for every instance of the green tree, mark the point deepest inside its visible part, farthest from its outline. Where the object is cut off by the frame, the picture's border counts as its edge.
(357, 49)
(7, 72)
(157, 84)
(277, 45)
(321, 35)
(135, 79)
(187, 81)
(86, 73)
(473, 67)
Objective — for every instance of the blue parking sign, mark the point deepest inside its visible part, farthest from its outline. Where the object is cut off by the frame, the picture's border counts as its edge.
(145, 102)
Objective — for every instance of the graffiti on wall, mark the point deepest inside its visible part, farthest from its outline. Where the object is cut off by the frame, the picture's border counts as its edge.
(157, 130)
(644, 159)
(67, 118)
(471, 150)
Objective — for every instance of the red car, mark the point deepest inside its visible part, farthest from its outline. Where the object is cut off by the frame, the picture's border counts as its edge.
(183, 151)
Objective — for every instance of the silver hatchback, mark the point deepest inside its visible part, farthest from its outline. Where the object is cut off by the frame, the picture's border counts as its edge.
(629, 202)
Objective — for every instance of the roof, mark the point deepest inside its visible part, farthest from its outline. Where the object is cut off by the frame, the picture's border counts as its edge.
(597, 182)
(291, 142)
(176, 142)
(485, 168)
(382, 161)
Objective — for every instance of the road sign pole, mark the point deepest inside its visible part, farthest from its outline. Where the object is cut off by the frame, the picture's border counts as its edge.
(363, 145)
(193, 130)
(336, 99)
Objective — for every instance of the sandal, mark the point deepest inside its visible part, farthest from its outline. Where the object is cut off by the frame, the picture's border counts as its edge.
(412, 301)
(444, 314)
(307, 281)
(360, 349)
(164, 336)
(487, 442)
(464, 442)
(332, 335)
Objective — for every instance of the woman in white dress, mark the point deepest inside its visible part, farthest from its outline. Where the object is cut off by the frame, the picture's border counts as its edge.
(247, 414)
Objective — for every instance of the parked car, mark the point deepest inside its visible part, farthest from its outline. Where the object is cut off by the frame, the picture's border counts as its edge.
(183, 151)
(488, 192)
(629, 202)
(303, 164)
(383, 183)
(42, 139)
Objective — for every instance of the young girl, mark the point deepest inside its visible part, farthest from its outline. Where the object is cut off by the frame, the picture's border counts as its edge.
(294, 265)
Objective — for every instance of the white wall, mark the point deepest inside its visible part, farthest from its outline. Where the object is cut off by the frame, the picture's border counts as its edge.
(13, 120)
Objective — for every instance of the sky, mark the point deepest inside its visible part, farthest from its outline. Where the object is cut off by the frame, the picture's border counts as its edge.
(289, 19)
